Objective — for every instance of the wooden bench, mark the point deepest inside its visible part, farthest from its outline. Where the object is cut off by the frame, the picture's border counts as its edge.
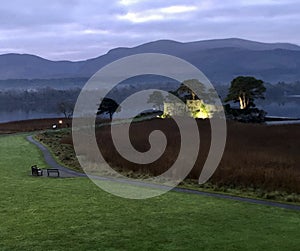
(35, 171)
(53, 170)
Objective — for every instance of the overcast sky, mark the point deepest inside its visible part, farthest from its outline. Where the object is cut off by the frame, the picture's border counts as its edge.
(81, 29)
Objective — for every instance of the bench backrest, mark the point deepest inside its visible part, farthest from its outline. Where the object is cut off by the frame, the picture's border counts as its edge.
(35, 170)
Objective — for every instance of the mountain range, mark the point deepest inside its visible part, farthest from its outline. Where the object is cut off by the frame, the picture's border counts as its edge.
(220, 60)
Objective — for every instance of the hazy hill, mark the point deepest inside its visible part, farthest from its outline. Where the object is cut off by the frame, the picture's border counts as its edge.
(221, 60)
(24, 66)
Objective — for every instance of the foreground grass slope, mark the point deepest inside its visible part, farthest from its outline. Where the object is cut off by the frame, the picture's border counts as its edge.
(74, 214)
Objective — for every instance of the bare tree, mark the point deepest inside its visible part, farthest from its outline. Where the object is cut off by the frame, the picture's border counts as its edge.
(66, 108)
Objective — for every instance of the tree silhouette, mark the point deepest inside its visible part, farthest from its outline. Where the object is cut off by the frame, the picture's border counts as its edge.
(157, 99)
(108, 106)
(66, 108)
(185, 93)
(245, 90)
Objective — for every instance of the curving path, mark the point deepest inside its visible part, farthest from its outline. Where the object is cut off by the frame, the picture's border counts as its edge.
(65, 172)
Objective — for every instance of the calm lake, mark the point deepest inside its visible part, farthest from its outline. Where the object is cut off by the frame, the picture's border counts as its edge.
(25, 115)
(290, 109)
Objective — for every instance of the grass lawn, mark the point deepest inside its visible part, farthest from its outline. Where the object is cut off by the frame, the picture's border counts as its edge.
(74, 214)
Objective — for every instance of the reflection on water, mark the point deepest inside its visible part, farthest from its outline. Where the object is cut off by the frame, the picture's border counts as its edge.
(24, 115)
(286, 122)
(290, 109)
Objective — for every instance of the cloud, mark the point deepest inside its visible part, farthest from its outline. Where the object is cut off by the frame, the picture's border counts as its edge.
(156, 14)
(175, 9)
(128, 2)
(78, 29)
(141, 17)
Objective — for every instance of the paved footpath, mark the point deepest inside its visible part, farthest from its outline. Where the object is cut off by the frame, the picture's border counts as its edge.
(63, 171)
(67, 173)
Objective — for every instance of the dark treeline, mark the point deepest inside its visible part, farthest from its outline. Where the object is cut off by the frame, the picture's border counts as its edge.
(24, 84)
(42, 100)
(49, 99)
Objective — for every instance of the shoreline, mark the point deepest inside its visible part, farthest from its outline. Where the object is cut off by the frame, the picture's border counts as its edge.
(46, 123)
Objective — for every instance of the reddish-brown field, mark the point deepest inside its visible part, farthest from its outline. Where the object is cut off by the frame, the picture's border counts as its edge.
(256, 156)
(32, 125)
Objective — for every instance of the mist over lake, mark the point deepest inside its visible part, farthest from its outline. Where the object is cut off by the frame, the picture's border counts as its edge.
(23, 105)
(25, 115)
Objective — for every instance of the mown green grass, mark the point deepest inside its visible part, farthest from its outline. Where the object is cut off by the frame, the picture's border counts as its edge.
(74, 214)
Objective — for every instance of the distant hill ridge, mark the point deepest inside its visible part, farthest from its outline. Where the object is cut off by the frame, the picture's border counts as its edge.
(220, 59)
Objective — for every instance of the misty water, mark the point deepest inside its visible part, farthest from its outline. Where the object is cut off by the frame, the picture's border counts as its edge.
(290, 109)
(25, 115)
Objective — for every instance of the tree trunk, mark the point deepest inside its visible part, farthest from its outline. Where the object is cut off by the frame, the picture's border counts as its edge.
(244, 101)
(193, 95)
(241, 103)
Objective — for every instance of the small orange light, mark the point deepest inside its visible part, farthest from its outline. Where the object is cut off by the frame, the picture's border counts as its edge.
(60, 122)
